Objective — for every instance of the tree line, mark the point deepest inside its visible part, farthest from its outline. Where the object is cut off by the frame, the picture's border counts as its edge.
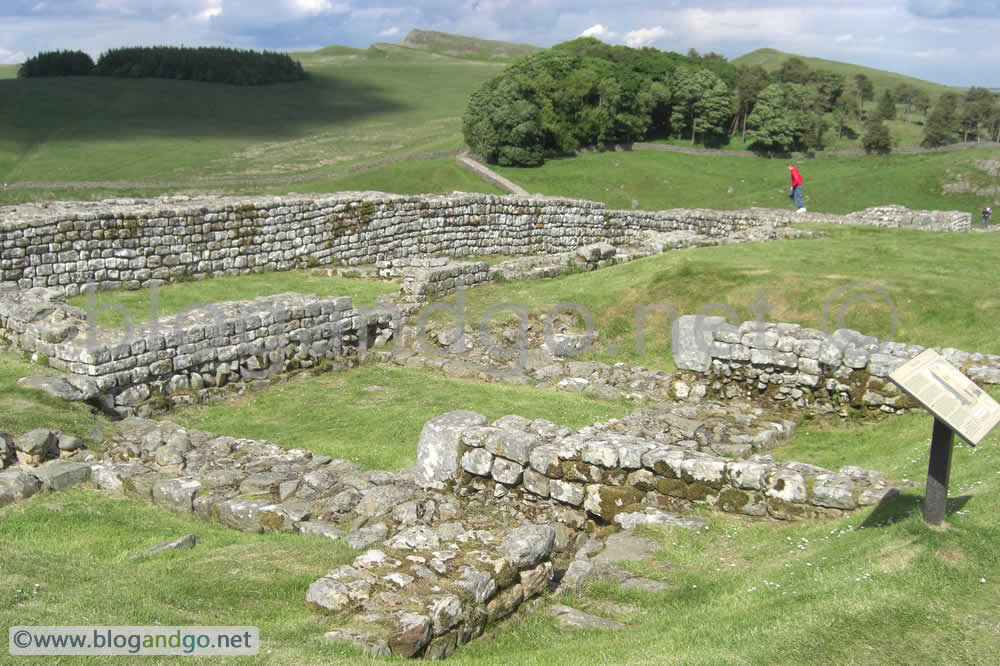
(588, 93)
(210, 64)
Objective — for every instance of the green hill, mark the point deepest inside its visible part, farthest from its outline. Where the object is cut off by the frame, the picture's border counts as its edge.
(771, 60)
(468, 48)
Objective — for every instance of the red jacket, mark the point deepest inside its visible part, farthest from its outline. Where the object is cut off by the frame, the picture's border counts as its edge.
(796, 176)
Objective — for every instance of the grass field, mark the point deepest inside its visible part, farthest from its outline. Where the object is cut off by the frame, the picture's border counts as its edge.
(659, 180)
(350, 111)
(876, 587)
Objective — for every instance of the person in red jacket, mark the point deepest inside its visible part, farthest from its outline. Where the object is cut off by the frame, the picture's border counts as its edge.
(796, 192)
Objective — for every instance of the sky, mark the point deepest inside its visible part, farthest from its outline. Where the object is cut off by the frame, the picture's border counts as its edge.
(955, 42)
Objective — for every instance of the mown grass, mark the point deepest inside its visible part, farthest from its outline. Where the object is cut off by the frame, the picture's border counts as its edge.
(143, 305)
(932, 289)
(876, 587)
(152, 130)
(833, 184)
(23, 409)
(373, 415)
(73, 547)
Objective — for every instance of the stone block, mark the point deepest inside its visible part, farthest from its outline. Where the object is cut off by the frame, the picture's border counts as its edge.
(242, 514)
(513, 445)
(604, 454)
(176, 495)
(785, 485)
(526, 546)
(608, 501)
(536, 483)
(506, 471)
(691, 339)
(477, 461)
(19, 485)
(438, 447)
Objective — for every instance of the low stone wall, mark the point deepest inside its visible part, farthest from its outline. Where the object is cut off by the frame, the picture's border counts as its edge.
(128, 242)
(221, 348)
(802, 367)
(900, 217)
(615, 478)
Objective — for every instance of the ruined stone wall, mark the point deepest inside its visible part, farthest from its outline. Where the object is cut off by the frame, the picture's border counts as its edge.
(805, 368)
(214, 349)
(614, 478)
(126, 243)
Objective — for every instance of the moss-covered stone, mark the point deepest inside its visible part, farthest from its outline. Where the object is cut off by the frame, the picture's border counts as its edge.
(672, 487)
(732, 500)
(608, 501)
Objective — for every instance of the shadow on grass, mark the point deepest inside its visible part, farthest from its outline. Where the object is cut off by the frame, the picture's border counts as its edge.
(113, 108)
(900, 506)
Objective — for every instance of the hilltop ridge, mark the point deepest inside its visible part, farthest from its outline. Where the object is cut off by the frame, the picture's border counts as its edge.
(460, 46)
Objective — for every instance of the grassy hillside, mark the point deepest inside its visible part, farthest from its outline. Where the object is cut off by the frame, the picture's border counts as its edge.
(471, 48)
(771, 60)
(658, 180)
(354, 108)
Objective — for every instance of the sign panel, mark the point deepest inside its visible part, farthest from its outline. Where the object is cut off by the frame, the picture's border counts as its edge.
(949, 395)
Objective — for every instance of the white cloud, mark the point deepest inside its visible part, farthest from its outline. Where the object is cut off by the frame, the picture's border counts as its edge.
(947, 54)
(389, 32)
(11, 57)
(318, 7)
(840, 39)
(598, 31)
(644, 36)
(213, 9)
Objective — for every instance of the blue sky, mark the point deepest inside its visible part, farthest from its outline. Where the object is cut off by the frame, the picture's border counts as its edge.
(956, 42)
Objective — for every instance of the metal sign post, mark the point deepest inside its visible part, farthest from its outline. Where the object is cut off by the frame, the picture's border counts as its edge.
(958, 406)
(938, 469)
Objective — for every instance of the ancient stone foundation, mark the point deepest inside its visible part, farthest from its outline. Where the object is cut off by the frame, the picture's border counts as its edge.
(129, 243)
(801, 367)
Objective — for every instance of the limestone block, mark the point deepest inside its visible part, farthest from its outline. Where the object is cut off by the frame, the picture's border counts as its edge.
(242, 514)
(176, 495)
(438, 447)
(786, 485)
(446, 613)
(19, 485)
(410, 633)
(536, 483)
(506, 471)
(608, 501)
(479, 585)
(834, 491)
(528, 545)
(417, 537)
(600, 453)
(545, 460)
(505, 603)
(513, 445)
(373, 645)
(711, 471)
(691, 339)
(747, 475)
(665, 462)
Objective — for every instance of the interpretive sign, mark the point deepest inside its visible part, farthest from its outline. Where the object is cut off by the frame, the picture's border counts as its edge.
(949, 395)
(958, 406)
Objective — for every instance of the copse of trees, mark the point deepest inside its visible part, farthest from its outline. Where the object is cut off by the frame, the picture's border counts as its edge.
(588, 93)
(211, 64)
(56, 63)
